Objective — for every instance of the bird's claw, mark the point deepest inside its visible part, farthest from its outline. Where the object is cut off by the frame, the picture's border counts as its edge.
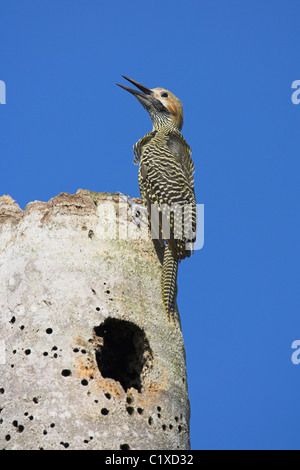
(137, 210)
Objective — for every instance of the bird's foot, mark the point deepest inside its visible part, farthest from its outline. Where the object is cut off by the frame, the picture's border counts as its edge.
(138, 212)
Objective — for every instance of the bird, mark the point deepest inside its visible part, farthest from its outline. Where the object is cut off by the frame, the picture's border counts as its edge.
(166, 183)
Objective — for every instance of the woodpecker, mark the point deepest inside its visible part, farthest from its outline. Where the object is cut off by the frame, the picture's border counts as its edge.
(166, 183)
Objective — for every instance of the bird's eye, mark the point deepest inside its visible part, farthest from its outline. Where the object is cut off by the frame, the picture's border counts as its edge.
(164, 94)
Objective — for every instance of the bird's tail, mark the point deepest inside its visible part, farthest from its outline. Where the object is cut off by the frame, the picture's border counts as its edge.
(169, 283)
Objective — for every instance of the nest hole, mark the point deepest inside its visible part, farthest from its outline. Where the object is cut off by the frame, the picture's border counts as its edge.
(123, 352)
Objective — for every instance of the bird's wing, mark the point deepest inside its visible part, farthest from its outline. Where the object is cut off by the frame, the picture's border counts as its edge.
(138, 147)
(182, 151)
(166, 187)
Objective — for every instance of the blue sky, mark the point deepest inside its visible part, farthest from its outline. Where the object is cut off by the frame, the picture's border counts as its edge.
(66, 125)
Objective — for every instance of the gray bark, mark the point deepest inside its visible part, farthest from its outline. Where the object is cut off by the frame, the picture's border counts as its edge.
(87, 357)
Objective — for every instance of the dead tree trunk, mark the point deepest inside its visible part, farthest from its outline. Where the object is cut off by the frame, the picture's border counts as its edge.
(87, 357)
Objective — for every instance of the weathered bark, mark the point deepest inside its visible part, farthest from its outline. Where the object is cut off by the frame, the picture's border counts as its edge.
(87, 357)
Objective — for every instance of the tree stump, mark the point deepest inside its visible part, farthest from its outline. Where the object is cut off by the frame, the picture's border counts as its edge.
(88, 359)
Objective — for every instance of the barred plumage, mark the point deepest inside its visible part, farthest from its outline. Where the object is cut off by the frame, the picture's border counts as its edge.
(166, 183)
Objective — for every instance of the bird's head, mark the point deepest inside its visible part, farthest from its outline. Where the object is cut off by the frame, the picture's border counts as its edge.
(165, 109)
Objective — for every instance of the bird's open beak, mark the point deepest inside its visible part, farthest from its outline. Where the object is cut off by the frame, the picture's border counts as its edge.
(145, 90)
(145, 96)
